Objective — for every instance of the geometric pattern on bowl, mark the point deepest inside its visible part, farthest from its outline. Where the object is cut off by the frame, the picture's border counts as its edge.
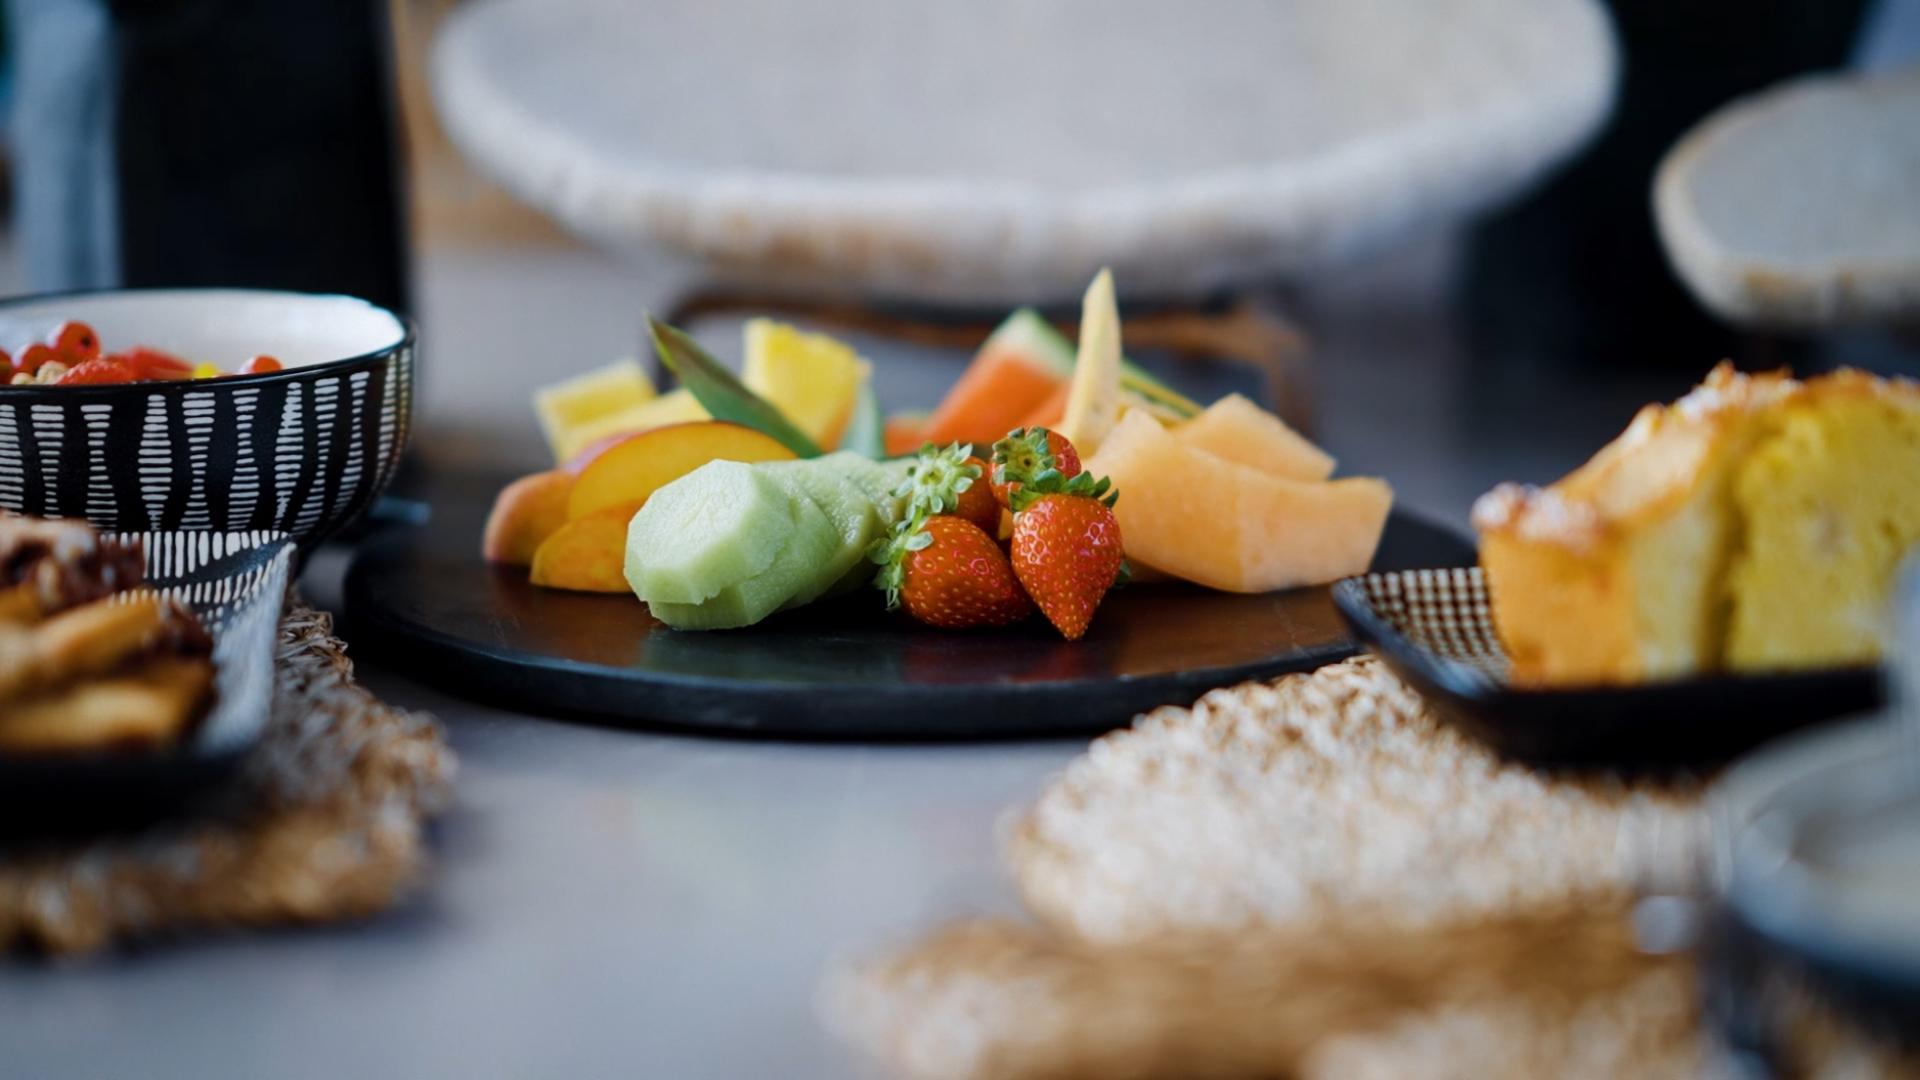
(1446, 612)
(303, 451)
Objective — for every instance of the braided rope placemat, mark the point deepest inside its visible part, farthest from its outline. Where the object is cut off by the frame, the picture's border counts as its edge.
(1312, 877)
(326, 822)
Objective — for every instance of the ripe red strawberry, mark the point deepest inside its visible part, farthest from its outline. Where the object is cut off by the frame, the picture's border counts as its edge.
(152, 363)
(949, 573)
(1029, 454)
(1067, 554)
(98, 372)
(946, 480)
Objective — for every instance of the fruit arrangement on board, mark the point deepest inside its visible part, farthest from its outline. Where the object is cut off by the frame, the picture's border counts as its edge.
(71, 356)
(1045, 478)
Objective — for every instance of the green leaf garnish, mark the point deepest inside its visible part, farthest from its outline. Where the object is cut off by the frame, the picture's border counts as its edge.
(723, 395)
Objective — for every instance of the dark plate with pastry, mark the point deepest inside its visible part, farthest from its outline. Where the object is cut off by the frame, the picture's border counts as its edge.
(136, 669)
(1715, 577)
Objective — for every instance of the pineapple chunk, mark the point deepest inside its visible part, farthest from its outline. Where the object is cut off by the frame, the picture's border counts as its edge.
(678, 407)
(587, 397)
(812, 378)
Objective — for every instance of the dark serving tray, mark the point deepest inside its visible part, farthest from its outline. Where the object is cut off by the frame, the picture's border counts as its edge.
(1435, 628)
(427, 601)
(235, 582)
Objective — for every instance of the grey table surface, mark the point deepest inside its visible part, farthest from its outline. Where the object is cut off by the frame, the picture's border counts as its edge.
(620, 903)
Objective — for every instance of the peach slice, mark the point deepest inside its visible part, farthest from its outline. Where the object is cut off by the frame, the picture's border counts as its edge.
(587, 554)
(524, 514)
(638, 465)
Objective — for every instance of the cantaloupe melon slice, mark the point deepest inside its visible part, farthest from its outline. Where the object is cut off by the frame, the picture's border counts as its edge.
(1229, 526)
(1240, 431)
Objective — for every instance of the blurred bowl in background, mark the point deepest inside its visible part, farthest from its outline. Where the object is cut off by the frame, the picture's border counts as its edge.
(1002, 151)
(302, 451)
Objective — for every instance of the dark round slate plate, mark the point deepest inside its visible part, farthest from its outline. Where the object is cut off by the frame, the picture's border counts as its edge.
(425, 598)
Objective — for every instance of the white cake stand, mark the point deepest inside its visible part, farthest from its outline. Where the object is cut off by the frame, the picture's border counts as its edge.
(1800, 206)
(1001, 150)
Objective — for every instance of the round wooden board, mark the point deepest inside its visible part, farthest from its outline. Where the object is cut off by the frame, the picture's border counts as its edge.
(424, 598)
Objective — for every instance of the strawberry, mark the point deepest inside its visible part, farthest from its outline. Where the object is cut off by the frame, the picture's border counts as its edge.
(946, 480)
(948, 572)
(1028, 454)
(1067, 554)
(152, 363)
(98, 372)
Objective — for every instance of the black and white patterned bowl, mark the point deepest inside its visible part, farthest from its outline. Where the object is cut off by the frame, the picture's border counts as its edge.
(303, 451)
(234, 582)
(1435, 629)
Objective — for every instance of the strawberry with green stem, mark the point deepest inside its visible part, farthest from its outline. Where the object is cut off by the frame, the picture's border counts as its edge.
(948, 572)
(1027, 454)
(1066, 549)
(948, 480)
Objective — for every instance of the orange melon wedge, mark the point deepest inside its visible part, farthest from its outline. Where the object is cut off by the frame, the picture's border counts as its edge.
(1229, 526)
(1240, 431)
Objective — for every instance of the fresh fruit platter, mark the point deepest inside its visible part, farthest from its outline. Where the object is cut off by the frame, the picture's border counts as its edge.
(1062, 535)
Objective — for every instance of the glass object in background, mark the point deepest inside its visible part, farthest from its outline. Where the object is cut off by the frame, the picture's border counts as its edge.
(208, 142)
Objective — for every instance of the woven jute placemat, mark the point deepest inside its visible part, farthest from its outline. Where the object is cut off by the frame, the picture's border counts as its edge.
(1312, 877)
(326, 822)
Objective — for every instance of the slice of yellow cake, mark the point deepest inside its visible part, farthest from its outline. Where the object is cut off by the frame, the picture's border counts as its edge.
(1611, 574)
(1829, 503)
(1754, 525)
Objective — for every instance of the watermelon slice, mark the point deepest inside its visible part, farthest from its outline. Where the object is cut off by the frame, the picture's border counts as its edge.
(906, 432)
(1022, 366)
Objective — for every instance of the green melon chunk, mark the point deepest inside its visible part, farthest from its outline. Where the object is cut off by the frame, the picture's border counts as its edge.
(716, 527)
(811, 539)
(879, 479)
(848, 509)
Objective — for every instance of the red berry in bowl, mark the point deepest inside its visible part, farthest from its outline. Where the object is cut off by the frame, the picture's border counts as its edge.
(96, 372)
(75, 342)
(260, 365)
(153, 364)
(34, 357)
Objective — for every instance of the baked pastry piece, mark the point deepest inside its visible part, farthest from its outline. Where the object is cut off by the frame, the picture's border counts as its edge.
(1754, 524)
(87, 659)
(1828, 503)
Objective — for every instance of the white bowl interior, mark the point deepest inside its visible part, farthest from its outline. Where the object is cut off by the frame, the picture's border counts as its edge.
(224, 327)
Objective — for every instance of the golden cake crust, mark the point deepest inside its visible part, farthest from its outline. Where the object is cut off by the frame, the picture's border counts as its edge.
(1639, 564)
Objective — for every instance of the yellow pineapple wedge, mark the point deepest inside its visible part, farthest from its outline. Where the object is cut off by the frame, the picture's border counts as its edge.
(812, 378)
(587, 397)
(677, 407)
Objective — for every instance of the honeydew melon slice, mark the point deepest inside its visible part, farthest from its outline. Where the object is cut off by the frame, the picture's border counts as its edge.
(810, 540)
(715, 527)
(847, 509)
